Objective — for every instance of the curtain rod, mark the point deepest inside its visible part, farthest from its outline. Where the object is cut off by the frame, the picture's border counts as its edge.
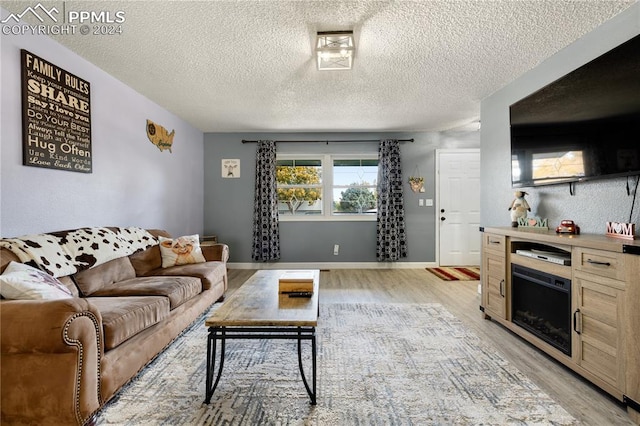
(327, 142)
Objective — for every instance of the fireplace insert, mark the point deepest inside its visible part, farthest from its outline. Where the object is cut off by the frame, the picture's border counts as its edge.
(541, 304)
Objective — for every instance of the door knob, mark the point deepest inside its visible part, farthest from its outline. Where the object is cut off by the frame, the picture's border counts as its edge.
(441, 210)
(443, 218)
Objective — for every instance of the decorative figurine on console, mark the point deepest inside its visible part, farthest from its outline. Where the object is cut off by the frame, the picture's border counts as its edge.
(519, 208)
(568, 227)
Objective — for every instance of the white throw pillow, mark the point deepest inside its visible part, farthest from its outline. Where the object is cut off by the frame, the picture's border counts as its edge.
(23, 282)
(181, 251)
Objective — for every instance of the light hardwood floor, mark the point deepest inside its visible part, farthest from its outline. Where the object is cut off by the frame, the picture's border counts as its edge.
(584, 401)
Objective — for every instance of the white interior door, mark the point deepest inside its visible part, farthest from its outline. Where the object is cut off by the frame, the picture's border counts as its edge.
(458, 206)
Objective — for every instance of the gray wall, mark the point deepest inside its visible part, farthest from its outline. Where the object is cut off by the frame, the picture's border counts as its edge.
(228, 206)
(594, 202)
(132, 184)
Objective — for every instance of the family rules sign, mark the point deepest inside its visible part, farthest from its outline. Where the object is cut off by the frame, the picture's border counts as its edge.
(56, 117)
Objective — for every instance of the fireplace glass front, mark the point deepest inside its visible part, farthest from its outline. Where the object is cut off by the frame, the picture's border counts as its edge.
(541, 304)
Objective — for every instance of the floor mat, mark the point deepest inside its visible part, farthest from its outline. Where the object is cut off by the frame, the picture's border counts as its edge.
(456, 274)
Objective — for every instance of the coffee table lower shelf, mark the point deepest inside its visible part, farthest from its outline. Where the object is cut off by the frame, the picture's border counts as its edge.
(223, 333)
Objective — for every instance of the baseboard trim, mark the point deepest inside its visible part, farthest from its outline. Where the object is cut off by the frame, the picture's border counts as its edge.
(331, 265)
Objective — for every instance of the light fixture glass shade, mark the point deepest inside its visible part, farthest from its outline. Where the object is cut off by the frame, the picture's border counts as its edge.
(334, 50)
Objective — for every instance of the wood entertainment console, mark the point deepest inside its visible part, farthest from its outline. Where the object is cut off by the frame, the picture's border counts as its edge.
(604, 302)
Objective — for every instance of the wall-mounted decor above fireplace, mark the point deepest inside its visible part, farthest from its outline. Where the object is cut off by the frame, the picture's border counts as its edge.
(56, 117)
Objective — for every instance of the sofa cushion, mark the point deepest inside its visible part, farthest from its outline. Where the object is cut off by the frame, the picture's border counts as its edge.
(181, 251)
(209, 272)
(177, 289)
(68, 282)
(149, 259)
(23, 282)
(92, 280)
(124, 317)
(146, 260)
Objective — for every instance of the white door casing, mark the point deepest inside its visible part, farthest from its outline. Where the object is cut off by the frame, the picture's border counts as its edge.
(458, 207)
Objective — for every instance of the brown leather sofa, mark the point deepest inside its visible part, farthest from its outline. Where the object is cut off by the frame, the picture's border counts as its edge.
(62, 360)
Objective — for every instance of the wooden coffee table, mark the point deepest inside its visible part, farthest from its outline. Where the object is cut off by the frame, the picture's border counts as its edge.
(257, 311)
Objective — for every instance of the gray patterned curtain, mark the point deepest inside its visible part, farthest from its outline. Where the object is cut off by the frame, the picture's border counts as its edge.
(392, 238)
(266, 232)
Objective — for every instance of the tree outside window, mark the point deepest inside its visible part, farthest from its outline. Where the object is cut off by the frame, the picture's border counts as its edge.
(356, 200)
(299, 186)
(354, 186)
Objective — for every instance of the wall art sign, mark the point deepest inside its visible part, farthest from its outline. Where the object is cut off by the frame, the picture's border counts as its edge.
(56, 117)
(230, 168)
(159, 136)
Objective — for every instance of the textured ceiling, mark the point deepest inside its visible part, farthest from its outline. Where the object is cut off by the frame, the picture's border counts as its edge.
(248, 66)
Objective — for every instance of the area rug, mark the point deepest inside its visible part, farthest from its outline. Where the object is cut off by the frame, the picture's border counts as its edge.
(456, 274)
(378, 364)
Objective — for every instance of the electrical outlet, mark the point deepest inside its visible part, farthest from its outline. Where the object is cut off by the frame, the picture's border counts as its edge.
(428, 202)
(336, 249)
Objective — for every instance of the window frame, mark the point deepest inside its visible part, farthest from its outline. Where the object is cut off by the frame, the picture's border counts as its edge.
(327, 189)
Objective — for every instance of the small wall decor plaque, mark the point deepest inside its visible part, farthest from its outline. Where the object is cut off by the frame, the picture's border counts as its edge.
(159, 136)
(533, 223)
(230, 168)
(621, 230)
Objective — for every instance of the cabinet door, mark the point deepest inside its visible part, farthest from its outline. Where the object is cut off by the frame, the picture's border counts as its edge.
(598, 330)
(494, 286)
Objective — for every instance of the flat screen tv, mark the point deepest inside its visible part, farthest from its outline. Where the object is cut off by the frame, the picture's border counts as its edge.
(585, 125)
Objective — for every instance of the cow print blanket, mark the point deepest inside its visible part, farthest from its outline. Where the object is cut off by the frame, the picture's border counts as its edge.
(67, 252)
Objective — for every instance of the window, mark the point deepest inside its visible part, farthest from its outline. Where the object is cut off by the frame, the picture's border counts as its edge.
(327, 187)
(354, 186)
(562, 164)
(299, 184)
(546, 167)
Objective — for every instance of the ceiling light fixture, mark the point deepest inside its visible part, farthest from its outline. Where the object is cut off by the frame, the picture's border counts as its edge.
(334, 50)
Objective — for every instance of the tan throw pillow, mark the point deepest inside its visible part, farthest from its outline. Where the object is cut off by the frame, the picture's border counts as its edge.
(181, 251)
(24, 282)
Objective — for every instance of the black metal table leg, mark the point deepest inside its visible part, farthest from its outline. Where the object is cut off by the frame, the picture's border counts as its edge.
(311, 391)
(211, 360)
(223, 333)
(211, 345)
(313, 366)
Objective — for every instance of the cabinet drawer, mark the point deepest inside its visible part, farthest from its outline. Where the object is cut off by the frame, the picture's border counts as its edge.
(494, 242)
(598, 262)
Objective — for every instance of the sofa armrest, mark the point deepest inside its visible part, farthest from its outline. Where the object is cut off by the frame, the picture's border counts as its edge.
(50, 354)
(215, 252)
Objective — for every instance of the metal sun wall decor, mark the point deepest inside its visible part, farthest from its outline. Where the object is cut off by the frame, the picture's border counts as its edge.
(159, 136)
